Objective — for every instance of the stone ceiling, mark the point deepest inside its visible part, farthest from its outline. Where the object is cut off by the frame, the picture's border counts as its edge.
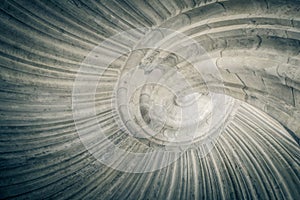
(150, 99)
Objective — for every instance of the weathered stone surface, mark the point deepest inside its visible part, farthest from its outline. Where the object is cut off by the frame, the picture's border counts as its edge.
(296, 94)
(283, 92)
(233, 110)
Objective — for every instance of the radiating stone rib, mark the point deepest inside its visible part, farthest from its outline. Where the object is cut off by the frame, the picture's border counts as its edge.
(254, 44)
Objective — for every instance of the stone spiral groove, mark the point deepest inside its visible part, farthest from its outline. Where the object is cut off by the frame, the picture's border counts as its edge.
(255, 47)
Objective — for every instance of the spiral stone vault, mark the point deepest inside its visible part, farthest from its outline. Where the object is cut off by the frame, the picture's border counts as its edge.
(136, 99)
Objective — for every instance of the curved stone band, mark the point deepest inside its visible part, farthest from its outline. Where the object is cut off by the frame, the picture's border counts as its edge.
(102, 57)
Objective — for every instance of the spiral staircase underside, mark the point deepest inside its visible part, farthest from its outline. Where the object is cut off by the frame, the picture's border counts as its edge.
(255, 46)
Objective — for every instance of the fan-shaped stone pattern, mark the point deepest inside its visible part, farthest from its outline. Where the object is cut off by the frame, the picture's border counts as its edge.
(255, 46)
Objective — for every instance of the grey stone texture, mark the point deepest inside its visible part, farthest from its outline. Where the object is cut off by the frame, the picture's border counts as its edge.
(255, 44)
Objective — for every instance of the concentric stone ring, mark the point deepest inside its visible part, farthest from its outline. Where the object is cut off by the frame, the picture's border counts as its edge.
(155, 104)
